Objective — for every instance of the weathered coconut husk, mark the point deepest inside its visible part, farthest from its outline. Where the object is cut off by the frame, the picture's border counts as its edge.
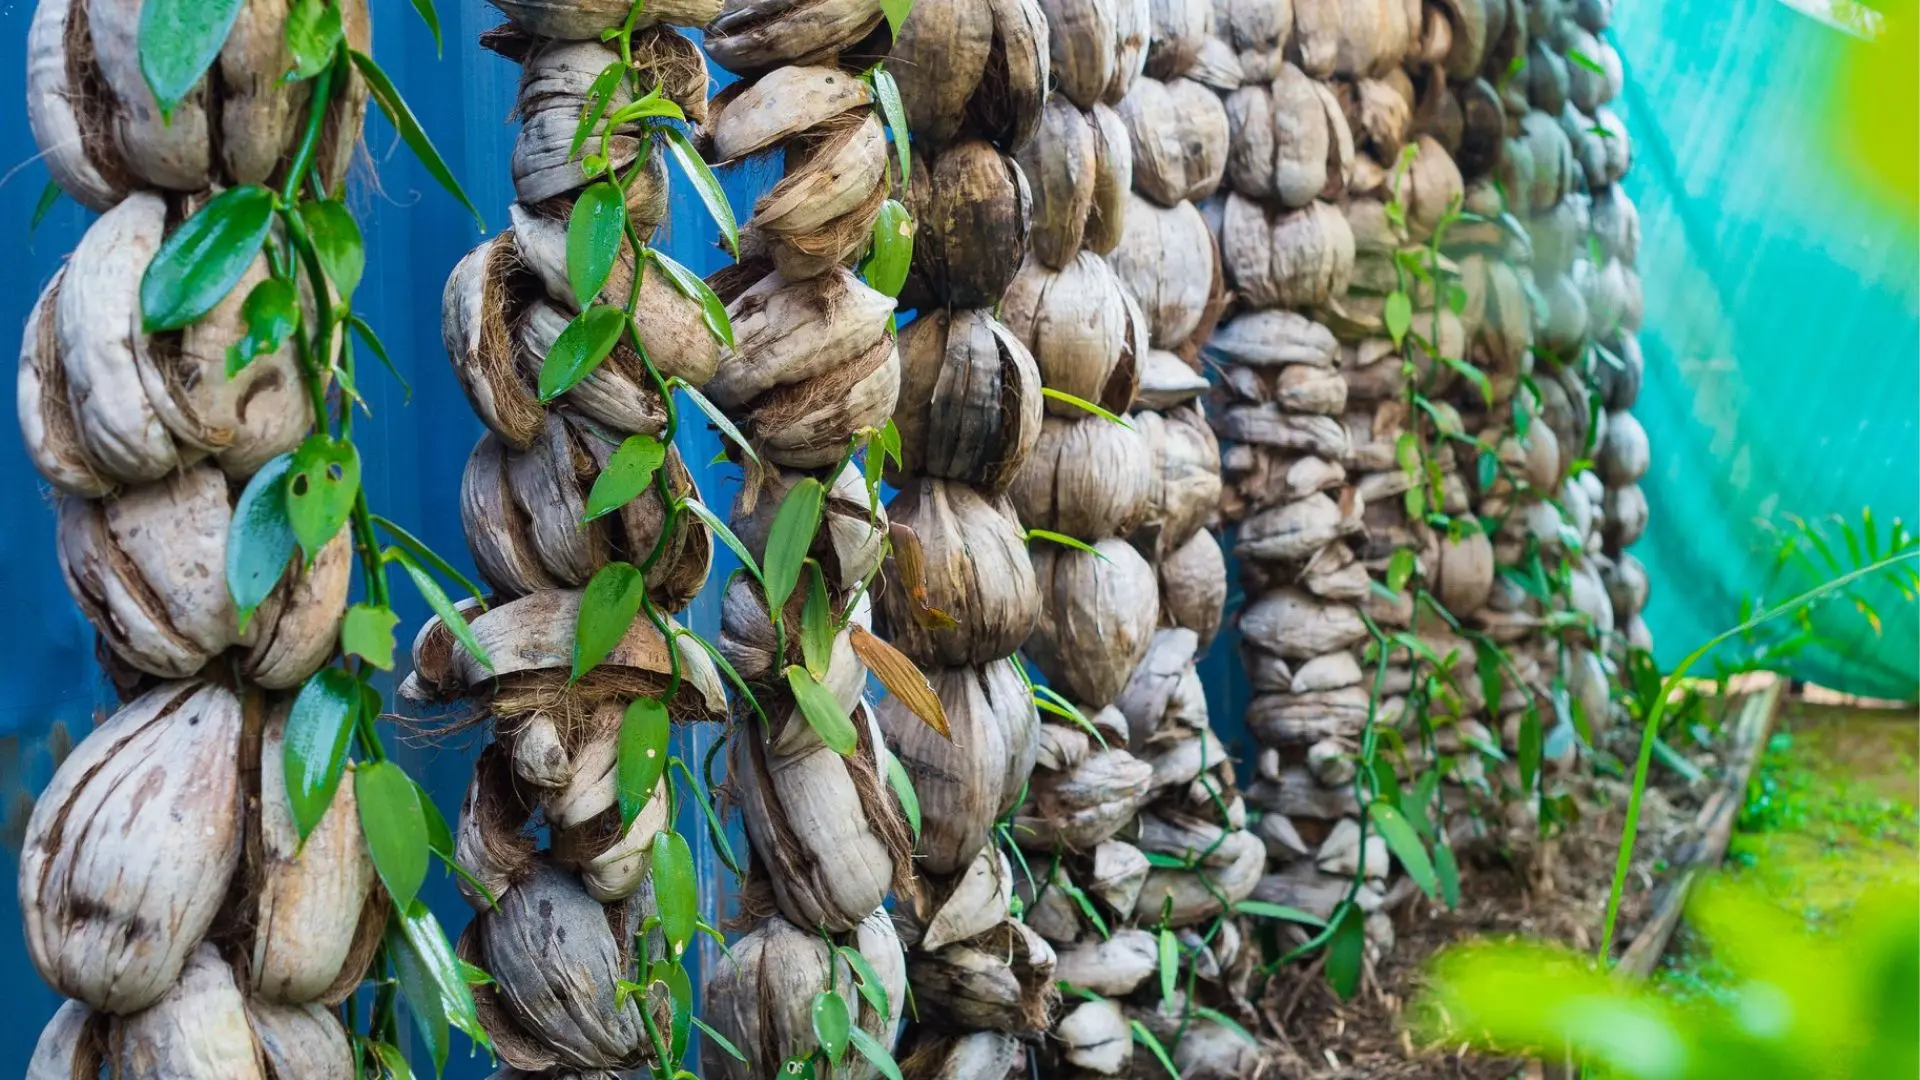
(1626, 516)
(975, 901)
(946, 1056)
(199, 1027)
(116, 892)
(243, 420)
(1084, 40)
(1151, 689)
(983, 67)
(1112, 181)
(1084, 806)
(1114, 966)
(484, 299)
(1002, 981)
(1624, 453)
(1093, 1035)
(300, 1042)
(970, 405)
(72, 1044)
(749, 37)
(750, 643)
(175, 152)
(1299, 259)
(1288, 140)
(1166, 260)
(1464, 576)
(555, 80)
(1078, 324)
(47, 423)
(1184, 480)
(1132, 32)
(1167, 382)
(1273, 338)
(1193, 586)
(848, 544)
(965, 779)
(762, 999)
(1616, 224)
(972, 208)
(75, 140)
(1088, 478)
(1296, 531)
(1627, 585)
(748, 118)
(835, 245)
(788, 332)
(830, 836)
(1294, 625)
(1185, 899)
(976, 571)
(1063, 168)
(1180, 133)
(579, 20)
(1178, 32)
(1097, 617)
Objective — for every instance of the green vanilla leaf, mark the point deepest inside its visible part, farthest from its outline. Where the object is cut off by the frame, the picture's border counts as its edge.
(789, 539)
(1399, 316)
(640, 755)
(1147, 1039)
(271, 313)
(887, 263)
(423, 996)
(599, 96)
(373, 342)
(436, 599)
(831, 1023)
(866, 980)
(712, 311)
(49, 198)
(404, 122)
(896, 12)
(179, 40)
(1225, 1021)
(1400, 568)
(680, 990)
(395, 828)
(1066, 541)
(717, 418)
(1530, 748)
(426, 556)
(626, 474)
(816, 623)
(313, 36)
(205, 258)
(392, 1060)
(432, 18)
(902, 786)
(894, 111)
(439, 835)
(1262, 909)
(260, 539)
(608, 606)
(1083, 405)
(337, 242)
(675, 890)
(323, 480)
(1405, 845)
(719, 1040)
(705, 184)
(874, 1051)
(367, 632)
(1346, 947)
(313, 752)
(1448, 870)
(823, 712)
(716, 829)
(595, 230)
(720, 529)
(581, 346)
(445, 976)
(1169, 964)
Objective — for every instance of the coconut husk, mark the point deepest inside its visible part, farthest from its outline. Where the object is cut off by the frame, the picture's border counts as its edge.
(1078, 324)
(486, 297)
(1081, 808)
(1180, 133)
(809, 425)
(1113, 967)
(1272, 338)
(580, 20)
(1184, 899)
(1097, 617)
(90, 931)
(1087, 478)
(1626, 516)
(1627, 585)
(1193, 586)
(1132, 33)
(1084, 40)
(1616, 224)
(940, 1056)
(1167, 382)
(1112, 181)
(748, 118)
(750, 38)
(300, 1042)
(1093, 1035)
(1000, 982)
(1063, 167)
(664, 314)
(788, 333)
(1624, 454)
(47, 423)
(1184, 480)
(199, 1027)
(1150, 692)
(1288, 140)
(972, 207)
(750, 643)
(1178, 32)
(980, 67)
(1297, 531)
(976, 572)
(1299, 259)
(294, 631)
(1166, 260)
(174, 152)
(67, 109)
(850, 541)
(970, 404)
(555, 79)
(972, 903)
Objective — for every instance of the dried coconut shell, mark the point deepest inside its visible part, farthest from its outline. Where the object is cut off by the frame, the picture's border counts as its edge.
(580, 20)
(789, 332)
(173, 152)
(199, 1027)
(749, 38)
(1132, 32)
(981, 67)
(1627, 585)
(1096, 618)
(1184, 480)
(1080, 325)
(976, 571)
(1626, 516)
(1167, 382)
(1624, 453)
(72, 132)
(1082, 807)
(970, 405)
(1193, 586)
(748, 118)
(1180, 134)
(1166, 260)
(749, 641)
(300, 1042)
(1179, 31)
(1288, 140)
(1298, 259)
(114, 892)
(1084, 40)
(1087, 478)
(1063, 168)
(47, 423)
(1185, 900)
(1112, 182)
(972, 208)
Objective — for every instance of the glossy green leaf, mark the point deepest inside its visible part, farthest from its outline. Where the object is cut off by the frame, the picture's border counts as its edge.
(1261, 909)
(1083, 405)
(705, 184)
(816, 623)
(902, 786)
(653, 106)
(444, 981)
(1169, 964)
(1486, 664)
(640, 755)
(822, 711)
(404, 122)
(271, 314)
(581, 346)
(680, 990)
(1447, 869)
(1405, 844)
(887, 91)
(718, 418)
(896, 12)
(260, 539)
(1399, 316)
(49, 198)
(887, 263)
(716, 829)
(379, 349)
(202, 260)
(432, 18)
(395, 827)
(866, 980)
(439, 835)
(1473, 375)
(1400, 567)
(675, 890)
(1583, 60)
(721, 530)
(313, 752)
(367, 632)
(608, 606)
(426, 556)
(313, 36)
(726, 1045)
(789, 539)
(595, 230)
(436, 599)
(337, 243)
(1147, 1039)
(874, 1051)
(392, 1060)
(1346, 947)
(599, 96)
(323, 479)
(1064, 540)
(626, 475)
(179, 40)
(713, 313)
(831, 1023)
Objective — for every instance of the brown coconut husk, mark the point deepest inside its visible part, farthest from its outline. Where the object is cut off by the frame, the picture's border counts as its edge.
(1080, 325)
(973, 209)
(1180, 133)
(1084, 40)
(1166, 260)
(1062, 166)
(976, 572)
(756, 37)
(1088, 478)
(1097, 618)
(970, 404)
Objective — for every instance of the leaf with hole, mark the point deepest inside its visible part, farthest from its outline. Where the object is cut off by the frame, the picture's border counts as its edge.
(585, 341)
(314, 745)
(260, 539)
(599, 96)
(705, 184)
(626, 475)
(179, 40)
(1405, 844)
(675, 890)
(395, 828)
(608, 606)
(866, 980)
(404, 122)
(891, 255)
(640, 755)
(323, 480)
(823, 712)
(313, 36)
(831, 1023)
(902, 678)
(202, 260)
(713, 312)
(595, 230)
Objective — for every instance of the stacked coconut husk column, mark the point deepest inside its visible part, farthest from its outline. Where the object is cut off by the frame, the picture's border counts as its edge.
(163, 885)
(814, 365)
(558, 922)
